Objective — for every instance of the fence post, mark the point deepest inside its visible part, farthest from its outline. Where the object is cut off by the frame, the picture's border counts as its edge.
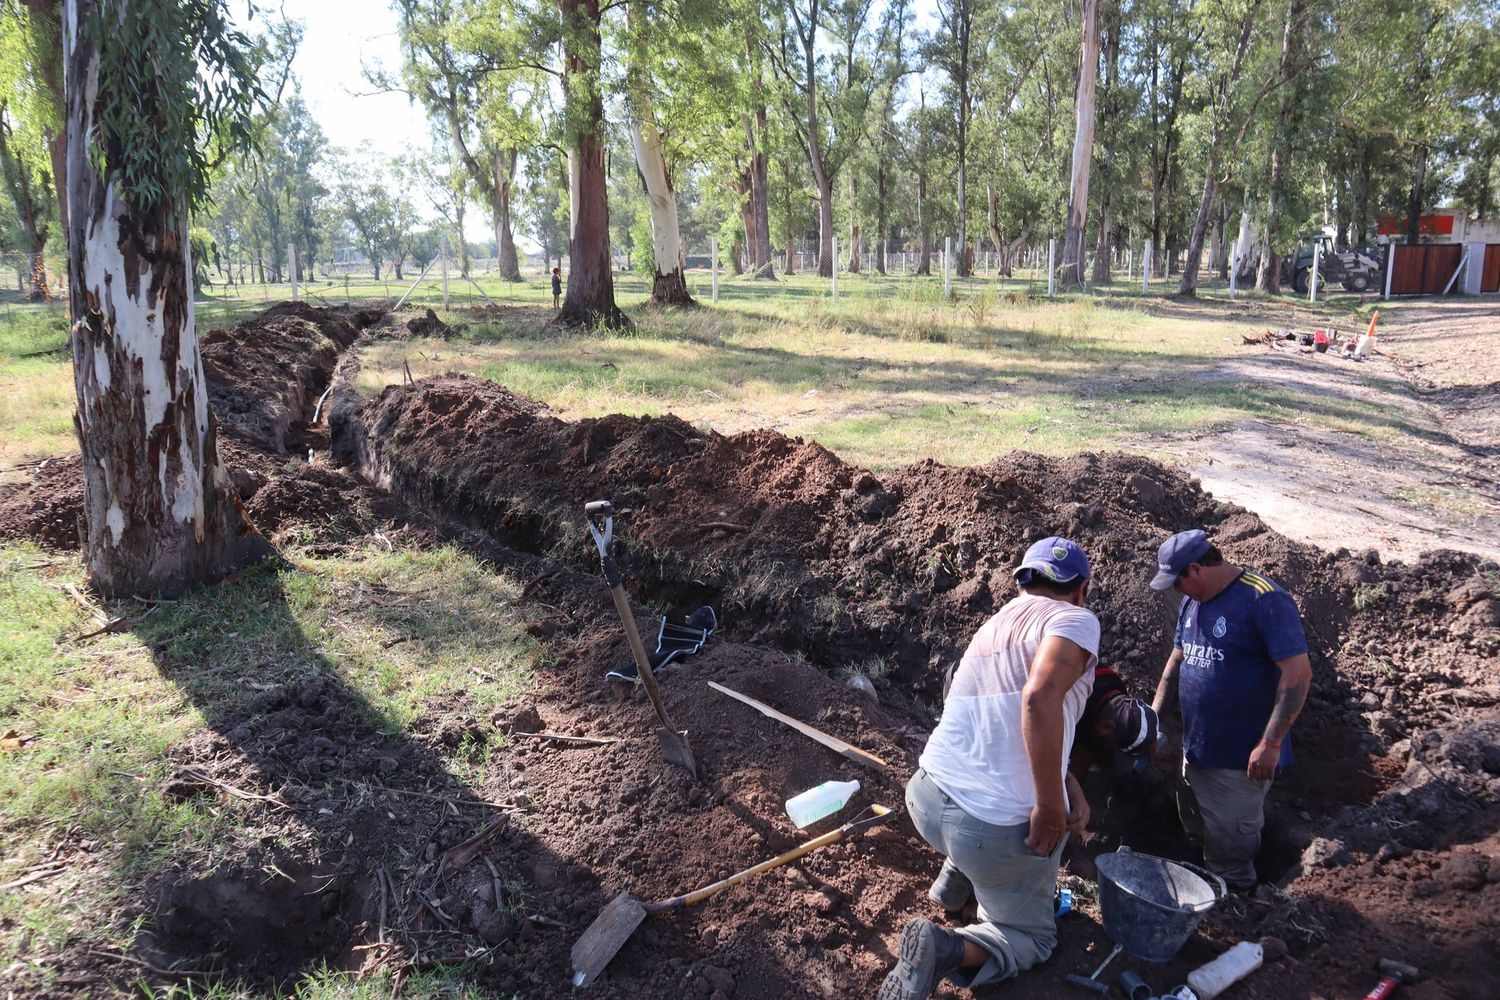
(291, 258)
(834, 270)
(444, 252)
(1146, 267)
(713, 264)
(1312, 279)
(1390, 266)
(1051, 266)
(947, 272)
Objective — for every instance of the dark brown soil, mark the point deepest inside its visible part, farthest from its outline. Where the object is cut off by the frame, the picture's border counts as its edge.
(1384, 833)
(267, 371)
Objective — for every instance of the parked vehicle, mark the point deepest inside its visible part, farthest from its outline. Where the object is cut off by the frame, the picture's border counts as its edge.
(1357, 269)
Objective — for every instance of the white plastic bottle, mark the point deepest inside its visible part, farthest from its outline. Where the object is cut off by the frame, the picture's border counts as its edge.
(824, 800)
(1226, 970)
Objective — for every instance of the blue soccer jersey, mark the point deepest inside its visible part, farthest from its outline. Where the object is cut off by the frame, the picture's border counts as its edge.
(1228, 679)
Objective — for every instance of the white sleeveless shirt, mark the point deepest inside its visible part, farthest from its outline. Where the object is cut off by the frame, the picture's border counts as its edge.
(976, 754)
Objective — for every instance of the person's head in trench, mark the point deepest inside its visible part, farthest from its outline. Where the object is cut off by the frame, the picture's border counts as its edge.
(1057, 568)
(1113, 726)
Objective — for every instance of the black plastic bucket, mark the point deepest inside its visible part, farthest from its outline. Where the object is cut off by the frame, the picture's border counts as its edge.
(1151, 905)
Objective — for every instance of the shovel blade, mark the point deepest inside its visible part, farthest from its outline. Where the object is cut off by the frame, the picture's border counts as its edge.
(674, 747)
(605, 937)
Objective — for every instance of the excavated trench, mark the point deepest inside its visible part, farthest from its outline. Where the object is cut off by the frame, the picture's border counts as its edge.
(809, 559)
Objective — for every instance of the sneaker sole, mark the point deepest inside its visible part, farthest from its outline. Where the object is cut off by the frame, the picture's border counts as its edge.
(903, 982)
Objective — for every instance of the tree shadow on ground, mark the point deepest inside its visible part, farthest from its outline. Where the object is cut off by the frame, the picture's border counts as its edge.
(335, 813)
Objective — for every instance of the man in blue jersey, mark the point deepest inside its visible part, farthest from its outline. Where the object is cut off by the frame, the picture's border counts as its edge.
(1241, 668)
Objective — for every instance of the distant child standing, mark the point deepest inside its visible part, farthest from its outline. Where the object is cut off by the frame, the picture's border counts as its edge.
(556, 288)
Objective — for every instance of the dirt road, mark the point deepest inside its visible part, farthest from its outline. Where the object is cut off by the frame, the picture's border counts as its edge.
(1425, 476)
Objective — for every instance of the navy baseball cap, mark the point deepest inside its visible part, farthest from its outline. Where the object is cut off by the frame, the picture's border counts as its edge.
(1136, 725)
(1058, 559)
(1176, 554)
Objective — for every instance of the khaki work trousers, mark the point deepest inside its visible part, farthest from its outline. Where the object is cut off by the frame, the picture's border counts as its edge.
(1014, 886)
(1224, 810)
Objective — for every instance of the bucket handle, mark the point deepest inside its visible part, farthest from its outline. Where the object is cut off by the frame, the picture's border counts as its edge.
(1221, 890)
(1217, 884)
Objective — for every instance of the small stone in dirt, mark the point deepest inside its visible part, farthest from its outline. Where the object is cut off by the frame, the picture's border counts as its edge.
(720, 979)
(497, 928)
(1464, 871)
(1370, 700)
(862, 684)
(1390, 851)
(1274, 949)
(1325, 852)
(521, 718)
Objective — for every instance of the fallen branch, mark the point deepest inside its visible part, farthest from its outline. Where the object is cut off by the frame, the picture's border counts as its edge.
(460, 855)
(833, 743)
(143, 964)
(593, 741)
(238, 793)
(723, 525)
(33, 877)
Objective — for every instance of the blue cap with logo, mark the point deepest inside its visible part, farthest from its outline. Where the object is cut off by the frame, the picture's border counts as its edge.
(1058, 559)
(1176, 554)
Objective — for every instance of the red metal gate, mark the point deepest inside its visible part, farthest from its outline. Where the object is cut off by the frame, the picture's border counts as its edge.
(1425, 269)
(1489, 281)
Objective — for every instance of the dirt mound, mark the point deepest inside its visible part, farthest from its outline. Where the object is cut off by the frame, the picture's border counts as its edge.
(263, 374)
(428, 325)
(807, 551)
(47, 506)
(890, 575)
(326, 504)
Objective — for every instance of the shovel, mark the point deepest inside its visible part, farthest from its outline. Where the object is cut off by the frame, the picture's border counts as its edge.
(674, 745)
(617, 921)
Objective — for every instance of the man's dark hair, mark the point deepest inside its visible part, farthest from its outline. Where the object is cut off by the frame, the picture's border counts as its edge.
(1213, 557)
(1041, 584)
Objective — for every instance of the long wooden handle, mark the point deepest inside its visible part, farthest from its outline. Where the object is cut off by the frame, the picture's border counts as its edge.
(638, 650)
(831, 742)
(699, 895)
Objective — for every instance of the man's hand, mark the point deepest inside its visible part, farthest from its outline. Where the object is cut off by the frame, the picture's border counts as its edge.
(1048, 824)
(1263, 761)
(1078, 816)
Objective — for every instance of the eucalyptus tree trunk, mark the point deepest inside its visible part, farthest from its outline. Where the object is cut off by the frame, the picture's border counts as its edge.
(503, 166)
(1268, 277)
(590, 299)
(882, 219)
(854, 232)
(1083, 146)
(790, 267)
(669, 278)
(160, 514)
(27, 203)
(924, 249)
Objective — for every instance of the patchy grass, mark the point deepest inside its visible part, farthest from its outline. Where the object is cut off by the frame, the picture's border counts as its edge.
(36, 385)
(890, 372)
(97, 718)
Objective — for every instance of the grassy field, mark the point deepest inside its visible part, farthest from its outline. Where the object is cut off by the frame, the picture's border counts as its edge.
(887, 373)
(90, 719)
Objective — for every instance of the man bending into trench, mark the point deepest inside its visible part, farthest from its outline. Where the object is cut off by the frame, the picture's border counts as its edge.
(1241, 668)
(991, 792)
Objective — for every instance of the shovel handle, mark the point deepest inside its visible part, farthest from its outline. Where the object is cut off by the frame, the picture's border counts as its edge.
(832, 837)
(638, 651)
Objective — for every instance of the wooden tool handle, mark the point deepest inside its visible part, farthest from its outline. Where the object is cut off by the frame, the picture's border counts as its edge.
(699, 895)
(638, 650)
(830, 741)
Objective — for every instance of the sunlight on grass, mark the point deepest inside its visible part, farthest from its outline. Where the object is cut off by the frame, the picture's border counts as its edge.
(99, 717)
(36, 385)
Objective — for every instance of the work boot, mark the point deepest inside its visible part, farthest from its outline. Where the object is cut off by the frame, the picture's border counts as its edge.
(927, 953)
(952, 889)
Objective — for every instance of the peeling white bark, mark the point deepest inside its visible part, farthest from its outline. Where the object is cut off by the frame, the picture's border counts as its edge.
(666, 235)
